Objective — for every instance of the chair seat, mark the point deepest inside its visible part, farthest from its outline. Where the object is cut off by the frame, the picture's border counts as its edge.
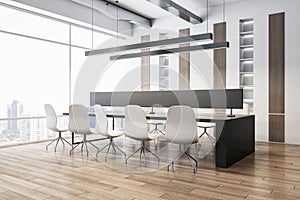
(155, 122)
(206, 124)
(92, 131)
(115, 133)
(62, 129)
(155, 135)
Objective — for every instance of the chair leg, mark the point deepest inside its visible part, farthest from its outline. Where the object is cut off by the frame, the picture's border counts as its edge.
(119, 149)
(59, 138)
(174, 159)
(50, 143)
(133, 154)
(142, 151)
(56, 144)
(93, 145)
(107, 151)
(191, 159)
(145, 148)
(73, 148)
(114, 147)
(211, 138)
(62, 142)
(87, 150)
(102, 149)
(63, 139)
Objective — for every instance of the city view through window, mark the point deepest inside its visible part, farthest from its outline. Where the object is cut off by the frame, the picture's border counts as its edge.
(32, 77)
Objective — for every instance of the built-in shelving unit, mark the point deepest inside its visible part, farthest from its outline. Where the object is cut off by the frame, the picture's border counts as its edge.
(163, 66)
(247, 60)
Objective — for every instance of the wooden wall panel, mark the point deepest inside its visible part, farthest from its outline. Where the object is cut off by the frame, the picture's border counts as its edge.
(145, 66)
(276, 77)
(276, 128)
(219, 57)
(276, 63)
(184, 63)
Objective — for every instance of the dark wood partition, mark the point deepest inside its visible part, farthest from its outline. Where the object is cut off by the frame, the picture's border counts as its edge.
(145, 66)
(184, 63)
(220, 57)
(276, 77)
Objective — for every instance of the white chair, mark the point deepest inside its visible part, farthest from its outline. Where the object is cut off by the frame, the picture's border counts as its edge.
(79, 122)
(136, 128)
(207, 125)
(181, 129)
(102, 128)
(51, 121)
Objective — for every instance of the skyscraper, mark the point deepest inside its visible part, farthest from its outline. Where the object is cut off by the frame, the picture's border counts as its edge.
(13, 111)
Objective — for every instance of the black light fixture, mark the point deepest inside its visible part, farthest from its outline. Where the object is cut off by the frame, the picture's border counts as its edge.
(173, 50)
(158, 43)
(206, 36)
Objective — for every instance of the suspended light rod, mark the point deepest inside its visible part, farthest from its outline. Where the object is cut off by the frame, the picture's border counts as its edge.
(173, 50)
(206, 36)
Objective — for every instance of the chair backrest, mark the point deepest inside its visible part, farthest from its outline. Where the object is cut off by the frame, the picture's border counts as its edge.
(79, 121)
(51, 118)
(135, 122)
(101, 120)
(181, 125)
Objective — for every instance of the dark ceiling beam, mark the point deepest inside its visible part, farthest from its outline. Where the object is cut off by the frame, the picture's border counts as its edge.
(177, 10)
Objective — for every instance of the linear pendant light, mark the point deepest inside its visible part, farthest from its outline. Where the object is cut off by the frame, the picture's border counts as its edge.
(218, 45)
(205, 36)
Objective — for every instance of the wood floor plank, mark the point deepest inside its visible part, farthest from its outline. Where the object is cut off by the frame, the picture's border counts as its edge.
(19, 181)
(272, 172)
(13, 195)
(24, 191)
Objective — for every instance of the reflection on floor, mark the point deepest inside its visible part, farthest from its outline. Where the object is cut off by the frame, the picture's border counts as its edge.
(203, 151)
(31, 172)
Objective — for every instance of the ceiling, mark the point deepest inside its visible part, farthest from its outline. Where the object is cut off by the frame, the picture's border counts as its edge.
(149, 10)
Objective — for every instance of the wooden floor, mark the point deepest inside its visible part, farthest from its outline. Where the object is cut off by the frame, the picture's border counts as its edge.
(31, 172)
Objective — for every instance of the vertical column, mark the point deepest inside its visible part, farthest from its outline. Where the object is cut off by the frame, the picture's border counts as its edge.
(276, 77)
(145, 66)
(184, 63)
(219, 57)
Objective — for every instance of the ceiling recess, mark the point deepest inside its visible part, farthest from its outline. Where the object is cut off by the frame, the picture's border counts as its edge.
(177, 10)
(110, 9)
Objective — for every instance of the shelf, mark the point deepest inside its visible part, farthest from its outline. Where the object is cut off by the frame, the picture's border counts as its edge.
(163, 66)
(246, 46)
(243, 73)
(246, 59)
(246, 33)
(248, 100)
(248, 86)
(246, 37)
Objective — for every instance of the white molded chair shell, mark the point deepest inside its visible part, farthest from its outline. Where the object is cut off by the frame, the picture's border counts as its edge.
(181, 125)
(51, 122)
(51, 118)
(136, 126)
(101, 120)
(79, 121)
(102, 128)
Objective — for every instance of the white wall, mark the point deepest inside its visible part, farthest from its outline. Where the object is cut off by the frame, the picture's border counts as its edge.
(259, 10)
(202, 61)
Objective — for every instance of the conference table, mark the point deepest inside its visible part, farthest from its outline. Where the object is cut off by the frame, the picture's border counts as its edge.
(235, 136)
